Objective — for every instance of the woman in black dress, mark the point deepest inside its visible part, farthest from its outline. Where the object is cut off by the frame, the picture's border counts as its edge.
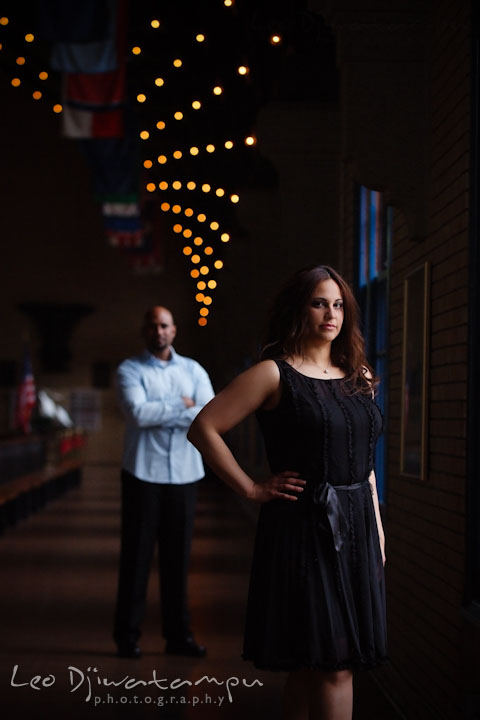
(316, 605)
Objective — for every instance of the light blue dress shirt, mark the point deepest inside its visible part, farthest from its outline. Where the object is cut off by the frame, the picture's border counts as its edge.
(150, 393)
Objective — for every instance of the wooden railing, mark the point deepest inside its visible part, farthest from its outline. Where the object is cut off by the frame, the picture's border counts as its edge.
(35, 470)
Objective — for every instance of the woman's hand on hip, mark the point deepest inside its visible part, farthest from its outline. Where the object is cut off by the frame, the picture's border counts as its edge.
(286, 484)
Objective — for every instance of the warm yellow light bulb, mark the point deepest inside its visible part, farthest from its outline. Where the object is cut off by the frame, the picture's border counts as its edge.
(191, 185)
(160, 125)
(206, 187)
(29, 37)
(155, 24)
(228, 3)
(163, 185)
(57, 108)
(219, 192)
(147, 164)
(141, 97)
(178, 115)
(200, 37)
(196, 104)
(187, 250)
(144, 134)
(187, 233)
(218, 264)
(165, 206)
(43, 75)
(177, 63)
(275, 39)
(20, 60)
(210, 148)
(208, 250)
(203, 312)
(198, 241)
(214, 225)
(224, 237)
(234, 198)
(176, 209)
(176, 185)
(159, 81)
(177, 154)
(201, 217)
(199, 297)
(4, 21)
(177, 228)
(212, 284)
(37, 95)
(151, 187)
(194, 150)
(207, 300)
(250, 140)
(217, 90)
(136, 50)
(229, 144)
(243, 70)
(162, 159)
(195, 259)
(204, 269)
(201, 285)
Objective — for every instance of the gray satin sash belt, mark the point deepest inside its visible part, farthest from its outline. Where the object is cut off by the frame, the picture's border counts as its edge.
(325, 496)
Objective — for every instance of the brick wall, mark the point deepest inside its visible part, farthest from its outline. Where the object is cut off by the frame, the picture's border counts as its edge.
(425, 521)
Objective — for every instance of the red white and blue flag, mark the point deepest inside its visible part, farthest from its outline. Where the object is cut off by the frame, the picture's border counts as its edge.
(26, 396)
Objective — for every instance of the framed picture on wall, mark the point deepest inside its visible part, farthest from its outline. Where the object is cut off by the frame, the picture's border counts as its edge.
(416, 312)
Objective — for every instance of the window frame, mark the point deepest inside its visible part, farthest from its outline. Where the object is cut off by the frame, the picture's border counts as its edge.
(372, 279)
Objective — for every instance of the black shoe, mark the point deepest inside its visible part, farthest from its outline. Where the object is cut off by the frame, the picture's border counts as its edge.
(187, 646)
(129, 650)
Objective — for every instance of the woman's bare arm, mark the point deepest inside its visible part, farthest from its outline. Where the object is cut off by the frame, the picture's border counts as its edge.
(373, 486)
(244, 395)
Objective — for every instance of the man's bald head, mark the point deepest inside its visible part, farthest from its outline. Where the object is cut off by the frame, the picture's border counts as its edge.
(159, 331)
(152, 311)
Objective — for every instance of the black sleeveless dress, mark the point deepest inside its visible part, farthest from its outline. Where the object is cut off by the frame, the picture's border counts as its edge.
(316, 597)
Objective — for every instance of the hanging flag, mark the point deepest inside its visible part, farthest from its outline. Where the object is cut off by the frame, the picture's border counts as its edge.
(89, 124)
(26, 396)
(85, 57)
(72, 21)
(120, 209)
(125, 239)
(148, 258)
(89, 57)
(114, 162)
(95, 90)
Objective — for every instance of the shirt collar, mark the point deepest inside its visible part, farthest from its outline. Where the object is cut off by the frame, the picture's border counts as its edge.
(152, 360)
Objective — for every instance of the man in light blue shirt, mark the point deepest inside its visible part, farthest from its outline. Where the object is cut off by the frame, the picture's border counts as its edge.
(160, 393)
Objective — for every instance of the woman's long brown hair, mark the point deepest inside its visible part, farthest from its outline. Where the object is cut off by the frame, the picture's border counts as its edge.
(287, 326)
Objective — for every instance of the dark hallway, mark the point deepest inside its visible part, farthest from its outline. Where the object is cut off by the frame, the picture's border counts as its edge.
(225, 145)
(58, 571)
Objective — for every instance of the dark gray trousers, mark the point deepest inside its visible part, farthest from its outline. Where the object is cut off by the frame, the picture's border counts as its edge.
(154, 512)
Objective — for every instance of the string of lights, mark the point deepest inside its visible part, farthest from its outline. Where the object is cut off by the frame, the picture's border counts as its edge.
(190, 185)
(175, 77)
(193, 151)
(22, 62)
(200, 218)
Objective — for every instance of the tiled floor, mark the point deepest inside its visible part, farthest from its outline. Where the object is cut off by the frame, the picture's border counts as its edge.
(58, 578)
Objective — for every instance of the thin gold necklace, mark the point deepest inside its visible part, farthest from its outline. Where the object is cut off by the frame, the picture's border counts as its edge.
(326, 370)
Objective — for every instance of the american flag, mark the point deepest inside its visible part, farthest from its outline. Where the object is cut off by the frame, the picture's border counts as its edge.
(26, 396)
